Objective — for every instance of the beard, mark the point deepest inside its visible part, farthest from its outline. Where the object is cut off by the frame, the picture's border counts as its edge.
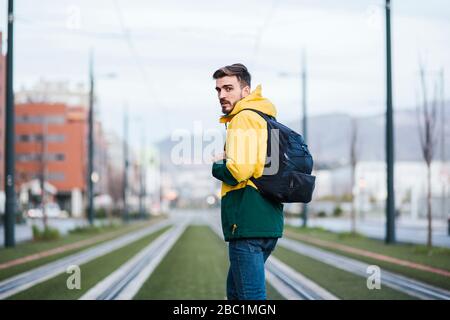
(227, 106)
(226, 109)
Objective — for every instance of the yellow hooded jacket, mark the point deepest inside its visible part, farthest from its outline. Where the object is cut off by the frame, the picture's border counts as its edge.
(245, 213)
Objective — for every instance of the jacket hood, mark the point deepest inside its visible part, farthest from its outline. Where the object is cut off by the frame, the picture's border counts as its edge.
(254, 100)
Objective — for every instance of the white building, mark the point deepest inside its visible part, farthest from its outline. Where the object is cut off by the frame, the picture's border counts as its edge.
(410, 185)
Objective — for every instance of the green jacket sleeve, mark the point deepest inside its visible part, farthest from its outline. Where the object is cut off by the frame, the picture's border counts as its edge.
(221, 172)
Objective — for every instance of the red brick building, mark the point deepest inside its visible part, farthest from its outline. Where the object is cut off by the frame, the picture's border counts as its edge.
(60, 133)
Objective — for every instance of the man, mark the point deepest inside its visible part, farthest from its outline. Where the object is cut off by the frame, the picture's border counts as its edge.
(251, 223)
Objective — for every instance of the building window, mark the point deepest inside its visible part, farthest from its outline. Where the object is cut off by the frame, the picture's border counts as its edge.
(23, 138)
(56, 138)
(27, 157)
(55, 176)
(56, 119)
(50, 176)
(38, 138)
(55, 157)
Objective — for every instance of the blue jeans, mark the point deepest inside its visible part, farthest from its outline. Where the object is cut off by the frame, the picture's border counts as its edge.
(246, 279)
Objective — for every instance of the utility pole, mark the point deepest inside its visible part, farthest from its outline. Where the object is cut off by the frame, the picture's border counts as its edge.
(125, 161)
(90, 184)
(142, 177)
(443, 151)
(304, 120)
(304, 125)
(10, 203)
(390, 201)
(443, 155)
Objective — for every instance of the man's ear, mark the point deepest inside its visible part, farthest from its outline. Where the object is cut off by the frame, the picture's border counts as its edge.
(246, 91)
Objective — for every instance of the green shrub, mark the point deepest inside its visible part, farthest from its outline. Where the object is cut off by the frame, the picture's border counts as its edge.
(423, 249)
(48, 234)
(337, 212)
(347, 197)
(321, 214)
(315, 229)
(350, 235)
(86, 229)
(101, 213)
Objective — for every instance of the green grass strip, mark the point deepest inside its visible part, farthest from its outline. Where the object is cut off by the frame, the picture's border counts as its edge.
(195, 268)
(31, 247)
(91, 273)
(438, 258)
(28, 248)
(342, 284)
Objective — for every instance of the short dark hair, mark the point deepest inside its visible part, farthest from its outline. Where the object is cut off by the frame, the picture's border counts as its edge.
(236, 69)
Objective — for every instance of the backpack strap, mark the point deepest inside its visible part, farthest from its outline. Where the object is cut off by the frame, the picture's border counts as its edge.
(262, 114)
(265, 117)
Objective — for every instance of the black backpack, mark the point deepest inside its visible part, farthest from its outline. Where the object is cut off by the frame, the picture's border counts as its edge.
(287, 172)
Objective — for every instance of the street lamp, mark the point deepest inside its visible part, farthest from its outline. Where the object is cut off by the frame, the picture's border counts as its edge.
(95, 177)
(90, 173)
(125, 164)
(142, 181)
(303, 79)
(10, 195)
(390, 201)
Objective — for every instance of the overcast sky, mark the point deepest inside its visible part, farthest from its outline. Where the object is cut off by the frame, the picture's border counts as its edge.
(165, 63)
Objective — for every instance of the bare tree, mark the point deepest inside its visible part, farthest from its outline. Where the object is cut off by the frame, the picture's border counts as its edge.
(43, 169)
(443, 151)
(353, 162)
(426, 114)
(115, 186)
